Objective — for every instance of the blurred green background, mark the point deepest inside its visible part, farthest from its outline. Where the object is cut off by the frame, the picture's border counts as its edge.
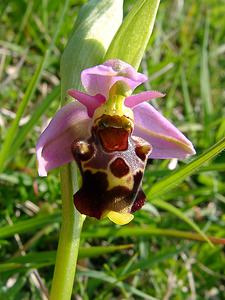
(156, 256)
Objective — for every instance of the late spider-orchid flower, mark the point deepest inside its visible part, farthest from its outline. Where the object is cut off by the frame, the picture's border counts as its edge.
(110, 134)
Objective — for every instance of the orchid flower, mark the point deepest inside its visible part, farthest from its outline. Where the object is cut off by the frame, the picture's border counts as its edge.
(110, 134)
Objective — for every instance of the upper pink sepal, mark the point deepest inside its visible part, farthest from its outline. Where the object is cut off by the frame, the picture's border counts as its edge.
(99, 79)
(54, 145)
(134, 100)
(166, 140)
(91, 102)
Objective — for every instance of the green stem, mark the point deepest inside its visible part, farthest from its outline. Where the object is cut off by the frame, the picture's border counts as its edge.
(69, 239)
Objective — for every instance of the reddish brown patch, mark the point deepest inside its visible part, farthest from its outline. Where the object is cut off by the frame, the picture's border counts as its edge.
(137, 180)
(139, 201)
(90, 198)
(113, 139)
(119, 168)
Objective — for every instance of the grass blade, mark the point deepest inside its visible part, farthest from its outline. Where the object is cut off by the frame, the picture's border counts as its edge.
(187, 101)
(21, 136)
(172, 209)
(145, 264)
(168, 183)
(102, 276)
(149, 231)
(204, 79)
(29, 225)
(12, 131)
(47, 258)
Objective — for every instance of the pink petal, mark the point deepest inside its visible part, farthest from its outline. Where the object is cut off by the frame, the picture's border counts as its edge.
(91, 102)
(99, 79)
(166, 140)
(54, 145)
(134, 100)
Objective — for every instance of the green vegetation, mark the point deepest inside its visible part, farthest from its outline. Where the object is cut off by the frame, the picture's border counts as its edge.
(173, 249)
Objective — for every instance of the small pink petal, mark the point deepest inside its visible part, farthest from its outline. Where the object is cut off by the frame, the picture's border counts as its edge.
(134, 100)
(99, 79)
(91, 102)
(166, 140)
(54, 145)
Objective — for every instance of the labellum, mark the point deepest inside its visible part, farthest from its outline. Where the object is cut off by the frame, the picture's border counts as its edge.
(112, 163)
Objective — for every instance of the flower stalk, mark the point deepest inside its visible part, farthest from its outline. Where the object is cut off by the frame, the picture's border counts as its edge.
(69, 239)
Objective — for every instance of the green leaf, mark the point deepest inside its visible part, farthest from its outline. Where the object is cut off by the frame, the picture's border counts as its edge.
(132, 38)
(166, 184)
(94, 29)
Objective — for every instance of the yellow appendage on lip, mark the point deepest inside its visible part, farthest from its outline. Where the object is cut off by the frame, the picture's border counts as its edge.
(119, 218)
